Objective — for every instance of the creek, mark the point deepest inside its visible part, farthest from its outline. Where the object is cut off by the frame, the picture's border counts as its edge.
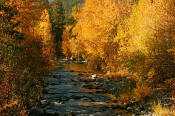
(74, 89)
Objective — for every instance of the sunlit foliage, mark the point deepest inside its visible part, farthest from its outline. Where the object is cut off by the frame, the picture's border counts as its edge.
(133, 36)
(70, 46)
(148, 41)
(43, 30)
(97, 27)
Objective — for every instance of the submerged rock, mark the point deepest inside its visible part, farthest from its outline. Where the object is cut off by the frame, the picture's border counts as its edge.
(36, 112)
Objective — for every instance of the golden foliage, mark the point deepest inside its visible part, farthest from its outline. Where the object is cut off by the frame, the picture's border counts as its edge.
(125, 98)
(43, 31)
(28, 13)
(142, 92)
(65, 43)
(159, 110)
(96, 28)
(125, 36)
(144, 50)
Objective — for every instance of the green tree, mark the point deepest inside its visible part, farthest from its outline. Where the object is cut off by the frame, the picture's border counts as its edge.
(57, 19)
(69, 4)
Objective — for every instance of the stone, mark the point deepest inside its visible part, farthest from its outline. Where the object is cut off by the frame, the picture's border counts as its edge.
(83, 115)
(43, 102)
(45, 90)
(85, 99)
(143, 112)
(57, 76)
(94, 76)
(36, 112)
(99, 114)
(71, 71)
(129, 108)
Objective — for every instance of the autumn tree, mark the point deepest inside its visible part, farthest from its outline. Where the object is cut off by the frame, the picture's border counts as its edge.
(148, 40)
(7, 26)
(70, 46)
(73, 17)
(117, 34)
(43, 30)
(97, 27)
(22, 62)
(29, 13)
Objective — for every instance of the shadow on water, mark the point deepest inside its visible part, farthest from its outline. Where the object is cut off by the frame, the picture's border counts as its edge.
(72, 90)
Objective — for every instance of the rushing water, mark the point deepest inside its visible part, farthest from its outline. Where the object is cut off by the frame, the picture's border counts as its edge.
(74, 90)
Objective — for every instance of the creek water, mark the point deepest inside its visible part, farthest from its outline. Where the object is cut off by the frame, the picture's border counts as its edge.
(74, 89)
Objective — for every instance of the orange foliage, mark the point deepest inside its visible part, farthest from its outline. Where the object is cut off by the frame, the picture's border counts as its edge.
(24, 61)
(28, 13)
(125, 35)
(34, 19)
(43, 30)
(96, 29)
(65, 44)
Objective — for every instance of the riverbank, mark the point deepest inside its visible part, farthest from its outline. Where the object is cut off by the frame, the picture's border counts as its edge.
(73, 89)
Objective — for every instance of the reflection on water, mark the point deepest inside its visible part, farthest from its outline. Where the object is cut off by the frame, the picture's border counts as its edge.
(83, 103)
(91, 90)
(80, 68)
(124, 112)
(113, 97)
(104, 104)
(97, 104)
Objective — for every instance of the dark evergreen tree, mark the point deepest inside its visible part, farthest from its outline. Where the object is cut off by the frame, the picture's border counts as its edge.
(57, 19)
(46, 1)
(68, 4)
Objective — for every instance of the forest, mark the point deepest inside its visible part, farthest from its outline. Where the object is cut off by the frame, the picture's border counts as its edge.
(128, 40)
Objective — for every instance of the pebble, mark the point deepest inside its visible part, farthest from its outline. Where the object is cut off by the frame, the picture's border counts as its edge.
(94, 76)
(129, 108)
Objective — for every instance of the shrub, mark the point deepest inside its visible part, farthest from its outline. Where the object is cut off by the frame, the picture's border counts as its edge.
(21, 66)
(142, 92)
(159, 110)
